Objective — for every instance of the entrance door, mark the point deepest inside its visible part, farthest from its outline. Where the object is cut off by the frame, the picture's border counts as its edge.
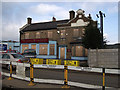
(62, 53)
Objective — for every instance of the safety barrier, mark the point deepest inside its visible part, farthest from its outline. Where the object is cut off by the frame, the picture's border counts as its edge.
(66, 82)
(71, 63)
(55, 62)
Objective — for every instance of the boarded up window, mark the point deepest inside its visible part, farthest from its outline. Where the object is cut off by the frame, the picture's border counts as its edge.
(83, 31)
(86, 52)
(26, 35)
(79, 50)
(49, 34)
(73, 49)
(76, 33)
(43, 49)
(37, 34)
(33, 47)
(52, 49)
(62, 33)
(24, 47)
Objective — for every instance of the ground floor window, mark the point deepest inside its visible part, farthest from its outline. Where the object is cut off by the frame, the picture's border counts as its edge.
(52, 49)
(24, 47)
(77, 51)
(33, 47)
(86, 52)
(43, 48)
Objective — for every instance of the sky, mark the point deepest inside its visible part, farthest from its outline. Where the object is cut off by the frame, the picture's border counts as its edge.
(14, 15)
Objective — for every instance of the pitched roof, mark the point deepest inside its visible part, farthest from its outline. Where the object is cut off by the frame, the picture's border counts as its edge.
(44, 25)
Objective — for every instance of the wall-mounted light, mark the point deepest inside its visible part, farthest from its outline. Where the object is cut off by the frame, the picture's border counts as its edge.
(58, 32)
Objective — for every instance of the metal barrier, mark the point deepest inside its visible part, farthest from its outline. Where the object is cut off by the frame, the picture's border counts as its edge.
(66, 77)
(31, 75)
(103, 71)
(66, 67)
(10, 71)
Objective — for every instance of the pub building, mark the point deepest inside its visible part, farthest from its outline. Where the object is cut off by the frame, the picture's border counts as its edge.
(59, 39)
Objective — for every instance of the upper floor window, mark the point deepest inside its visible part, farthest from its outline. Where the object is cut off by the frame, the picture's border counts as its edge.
(49, 34)
(37, 34)
(76, 32)
(62, 34)
(26, 35)
(83, 31)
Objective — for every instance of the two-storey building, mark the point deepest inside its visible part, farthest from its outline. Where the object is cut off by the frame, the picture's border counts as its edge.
(57, 38)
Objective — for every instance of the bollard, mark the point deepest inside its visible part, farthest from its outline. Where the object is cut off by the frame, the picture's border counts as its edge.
(103, 70)
(10, 77)
(65, 77)
(31, 75)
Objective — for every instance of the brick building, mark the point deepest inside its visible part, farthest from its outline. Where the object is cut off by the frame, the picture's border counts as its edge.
(57, 38)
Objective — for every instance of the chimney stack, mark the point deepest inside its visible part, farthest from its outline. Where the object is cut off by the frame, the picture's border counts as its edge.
(29, 20)
(89, 16)
(72, 14)
(53, 19)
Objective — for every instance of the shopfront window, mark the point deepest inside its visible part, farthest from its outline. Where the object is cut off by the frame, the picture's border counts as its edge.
(52, 49)
(26, 35)
(49, 34)
(62, 33)
(43, 49)
(37, 34)
(33, 47)
(24, 47)
(76, 32)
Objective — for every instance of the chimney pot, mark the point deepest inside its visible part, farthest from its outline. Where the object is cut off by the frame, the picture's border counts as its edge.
(72, 14)
(29, 20)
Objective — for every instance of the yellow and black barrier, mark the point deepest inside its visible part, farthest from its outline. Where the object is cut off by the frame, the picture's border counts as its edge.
(103, 70)
(53, 62)
(31, 75)
(10, 77)
(71, 62)
(65, 77)
(36, 61)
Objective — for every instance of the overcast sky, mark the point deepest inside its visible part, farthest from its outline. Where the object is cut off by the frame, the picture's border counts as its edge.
(14, 15)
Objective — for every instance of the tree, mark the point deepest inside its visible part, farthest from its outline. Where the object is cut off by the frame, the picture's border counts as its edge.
(92, 37)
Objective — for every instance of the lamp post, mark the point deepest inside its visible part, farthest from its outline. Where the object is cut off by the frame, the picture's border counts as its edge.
(101, 26)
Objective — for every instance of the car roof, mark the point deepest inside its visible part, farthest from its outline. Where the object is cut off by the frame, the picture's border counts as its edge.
(9, 53)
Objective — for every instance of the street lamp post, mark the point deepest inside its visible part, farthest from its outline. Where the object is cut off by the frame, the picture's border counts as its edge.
(101, 26)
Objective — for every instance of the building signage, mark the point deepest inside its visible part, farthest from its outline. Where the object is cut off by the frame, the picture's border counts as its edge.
(43, 40)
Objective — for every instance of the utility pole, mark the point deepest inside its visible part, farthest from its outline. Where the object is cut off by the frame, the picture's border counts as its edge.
(101, 26)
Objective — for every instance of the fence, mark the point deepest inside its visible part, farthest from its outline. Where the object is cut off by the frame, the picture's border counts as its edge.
(65, 82)
(107, 58)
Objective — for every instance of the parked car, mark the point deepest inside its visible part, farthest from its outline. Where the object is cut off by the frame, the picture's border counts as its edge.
(29, 53)
(12, 57)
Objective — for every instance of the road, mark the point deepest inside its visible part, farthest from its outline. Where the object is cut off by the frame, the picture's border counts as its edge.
(75, 76)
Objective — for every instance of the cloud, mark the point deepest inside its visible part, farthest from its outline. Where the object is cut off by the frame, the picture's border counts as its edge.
(50, 10)
(11, 31)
